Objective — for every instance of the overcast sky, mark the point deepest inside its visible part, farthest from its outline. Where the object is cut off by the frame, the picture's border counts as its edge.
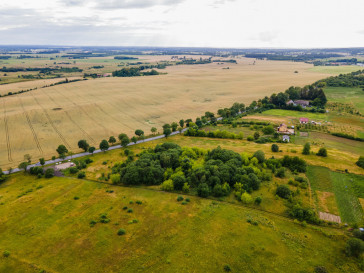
(202, 23)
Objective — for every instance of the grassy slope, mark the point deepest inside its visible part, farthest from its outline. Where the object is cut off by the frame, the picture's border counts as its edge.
(335, 69)
(50, 230)
(353, 96)
(346, 187)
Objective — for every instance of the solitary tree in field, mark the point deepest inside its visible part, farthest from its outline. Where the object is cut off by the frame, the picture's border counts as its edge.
(104, 145)
(112, 140)
(322, 152)
(91, 150)
(139, 132)
(62, 151)
(42, 161)
(23, 165)
(134, 139)
(82, 144)
(182, 123)
(153, 130)
(275, 148)
(306, 149)
(28, 157)
(125, 141)
(121, 136)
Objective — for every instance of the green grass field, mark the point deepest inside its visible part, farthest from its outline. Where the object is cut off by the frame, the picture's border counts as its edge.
(335, 69)
(46, 228)
(294, 114)
(354, 96)
(346, 187)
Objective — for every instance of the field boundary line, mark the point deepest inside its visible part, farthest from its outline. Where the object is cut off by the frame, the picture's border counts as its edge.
(31, 128)
(10, 158)
(51, 123)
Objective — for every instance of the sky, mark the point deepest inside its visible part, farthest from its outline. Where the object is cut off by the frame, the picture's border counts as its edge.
(184, 23)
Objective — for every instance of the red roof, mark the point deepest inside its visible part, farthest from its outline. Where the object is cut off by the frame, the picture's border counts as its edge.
(304, 119)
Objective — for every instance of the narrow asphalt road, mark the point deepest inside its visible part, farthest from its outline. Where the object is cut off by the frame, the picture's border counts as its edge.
(49, 162)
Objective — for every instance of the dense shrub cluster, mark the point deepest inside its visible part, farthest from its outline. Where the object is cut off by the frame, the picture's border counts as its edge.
(209, 173)
(213, 134)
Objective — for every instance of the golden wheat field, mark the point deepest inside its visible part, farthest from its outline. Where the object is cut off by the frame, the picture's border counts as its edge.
(37, 122)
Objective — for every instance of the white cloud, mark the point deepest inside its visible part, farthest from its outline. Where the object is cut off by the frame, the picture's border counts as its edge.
(213, 23)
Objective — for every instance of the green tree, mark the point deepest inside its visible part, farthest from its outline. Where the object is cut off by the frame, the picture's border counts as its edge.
(49, 173)
(203, 190)
(112, 140)
(42, 161)
(322, 152)
(306, 149)
(125, 141)
(167, 129)
(28, 157)
(260, 156)
(268, 130)
(360, 162)
(174, 126)
(256, 135)
(246, 198)
(121, 136)
(91, 150)
(23, 165)
(354, 247)
(134, 139)
(275, 148)
(82, 144)
(62, 150)
(139, 132)
(104, 145)
(182, 123)
(283, 191)
(153, 130)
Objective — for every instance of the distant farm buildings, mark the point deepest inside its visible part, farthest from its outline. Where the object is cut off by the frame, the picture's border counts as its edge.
(283, 129)
(302, 103)
(303, 120)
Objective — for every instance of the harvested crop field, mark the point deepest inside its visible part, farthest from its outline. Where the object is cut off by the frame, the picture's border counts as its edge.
(38, 121)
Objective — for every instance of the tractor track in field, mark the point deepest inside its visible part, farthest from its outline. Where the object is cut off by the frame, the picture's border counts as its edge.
(71, 119)
(51, 122)
(31, 127)
(10, 158)
(83, 110)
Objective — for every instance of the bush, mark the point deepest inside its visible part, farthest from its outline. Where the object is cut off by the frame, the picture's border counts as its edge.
(49, 173)
(246, 198)
(6, 253)
(354, 247)
(92, 223)
(81, 175)
(322, 152)
(320, 269)
(306, 149)
(186, 187)
(115, 178)
(258, 200)
(138, 202)
(188, 200)
(275, 148)
(184, 203)
(360, 162)
(281, 172)
(121, 231)
(227, 268)
(250, 138)
(283, 191)
(260, 156)
(73, 170)
(167, 185)
(179, 198)
(130, 210)
(76, 198)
